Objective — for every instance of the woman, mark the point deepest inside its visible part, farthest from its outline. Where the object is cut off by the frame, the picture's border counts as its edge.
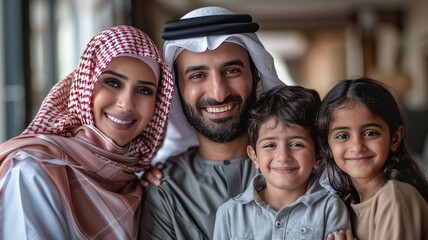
(71, 173)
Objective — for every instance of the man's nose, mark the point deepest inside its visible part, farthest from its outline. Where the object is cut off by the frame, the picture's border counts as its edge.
(218, 88)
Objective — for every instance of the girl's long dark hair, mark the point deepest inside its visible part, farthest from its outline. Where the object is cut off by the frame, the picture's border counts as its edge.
(400, 164)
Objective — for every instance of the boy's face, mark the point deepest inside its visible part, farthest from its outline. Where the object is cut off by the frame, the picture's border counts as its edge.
(285, 155)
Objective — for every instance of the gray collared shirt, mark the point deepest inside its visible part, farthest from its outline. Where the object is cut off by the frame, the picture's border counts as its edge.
(312, 216)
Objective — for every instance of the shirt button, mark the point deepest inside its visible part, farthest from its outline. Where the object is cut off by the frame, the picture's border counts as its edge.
(278, 224)
(226, 162)
(303, 230)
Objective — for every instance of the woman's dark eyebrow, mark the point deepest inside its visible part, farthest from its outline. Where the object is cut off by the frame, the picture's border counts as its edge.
(146, 83)
(116, 74)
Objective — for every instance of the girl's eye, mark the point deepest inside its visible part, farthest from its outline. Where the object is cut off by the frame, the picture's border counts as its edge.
(342, 136)
(112, 82)
(370, 133)
(145, 91)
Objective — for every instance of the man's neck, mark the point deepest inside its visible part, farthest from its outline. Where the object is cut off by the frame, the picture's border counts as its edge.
(223, 151)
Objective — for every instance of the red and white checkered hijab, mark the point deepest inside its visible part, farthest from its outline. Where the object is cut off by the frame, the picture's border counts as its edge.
(68, 104)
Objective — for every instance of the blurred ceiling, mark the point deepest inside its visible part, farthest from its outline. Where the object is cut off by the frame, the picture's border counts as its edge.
(282, 14)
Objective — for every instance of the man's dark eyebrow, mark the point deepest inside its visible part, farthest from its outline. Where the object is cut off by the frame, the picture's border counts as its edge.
(116, 74)
(195, 68)
(234, 62)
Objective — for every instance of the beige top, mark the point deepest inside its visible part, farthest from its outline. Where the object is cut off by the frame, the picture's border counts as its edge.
(397, 211)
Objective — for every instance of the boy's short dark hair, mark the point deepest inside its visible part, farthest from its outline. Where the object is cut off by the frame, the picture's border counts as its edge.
(288, 105)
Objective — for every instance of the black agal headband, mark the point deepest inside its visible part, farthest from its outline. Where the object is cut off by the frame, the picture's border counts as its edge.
(209, 25)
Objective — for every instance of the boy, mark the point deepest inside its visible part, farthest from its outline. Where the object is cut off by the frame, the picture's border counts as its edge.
(286, 200)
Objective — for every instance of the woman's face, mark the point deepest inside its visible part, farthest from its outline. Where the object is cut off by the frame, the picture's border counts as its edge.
(123, 100)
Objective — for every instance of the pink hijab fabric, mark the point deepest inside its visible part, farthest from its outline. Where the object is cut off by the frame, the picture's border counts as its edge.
(95, 177)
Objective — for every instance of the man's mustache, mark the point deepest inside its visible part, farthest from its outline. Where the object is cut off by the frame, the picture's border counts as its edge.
(212, 102)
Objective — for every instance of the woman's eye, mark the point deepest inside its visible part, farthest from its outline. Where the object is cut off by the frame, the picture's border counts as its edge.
(145, 91)
(112, 82)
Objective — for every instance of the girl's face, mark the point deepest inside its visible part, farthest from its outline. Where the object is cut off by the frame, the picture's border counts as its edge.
(360, 142)
(124, 98)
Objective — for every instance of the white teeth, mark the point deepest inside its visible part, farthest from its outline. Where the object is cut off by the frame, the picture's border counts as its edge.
(118, 120)
(219, 109)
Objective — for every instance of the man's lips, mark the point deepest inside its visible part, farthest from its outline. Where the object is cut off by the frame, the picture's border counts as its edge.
(219, 109)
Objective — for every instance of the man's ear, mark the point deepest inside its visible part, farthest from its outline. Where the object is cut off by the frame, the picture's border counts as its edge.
(397, 138)
(252, 154)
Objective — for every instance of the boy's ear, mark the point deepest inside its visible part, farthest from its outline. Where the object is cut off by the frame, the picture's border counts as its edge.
(318, 159)
(397, 137)
(252, 154)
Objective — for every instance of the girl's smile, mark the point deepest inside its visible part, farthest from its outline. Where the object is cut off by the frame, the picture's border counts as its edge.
(360, 143)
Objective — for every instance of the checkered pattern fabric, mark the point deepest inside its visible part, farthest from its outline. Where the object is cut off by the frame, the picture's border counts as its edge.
(68, 104)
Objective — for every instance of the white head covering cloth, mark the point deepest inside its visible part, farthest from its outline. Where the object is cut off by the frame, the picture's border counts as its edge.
(180, 135)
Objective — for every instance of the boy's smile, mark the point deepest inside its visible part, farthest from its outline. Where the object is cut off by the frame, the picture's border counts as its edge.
(285, 155)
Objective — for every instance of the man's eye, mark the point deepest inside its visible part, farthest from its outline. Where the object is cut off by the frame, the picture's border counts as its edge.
(232, 70)
(197, 76)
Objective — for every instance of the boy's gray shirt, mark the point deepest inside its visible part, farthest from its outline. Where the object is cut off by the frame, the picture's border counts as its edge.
(312, 216)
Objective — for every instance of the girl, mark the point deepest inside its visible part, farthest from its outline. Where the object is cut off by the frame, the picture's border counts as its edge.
(71, 173)
(362, 137)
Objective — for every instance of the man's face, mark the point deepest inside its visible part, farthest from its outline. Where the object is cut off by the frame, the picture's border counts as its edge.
(216, 89)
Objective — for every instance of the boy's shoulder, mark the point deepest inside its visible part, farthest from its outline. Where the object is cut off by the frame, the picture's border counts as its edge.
(249, 195)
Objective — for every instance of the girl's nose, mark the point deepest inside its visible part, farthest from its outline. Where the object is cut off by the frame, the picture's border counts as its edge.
(357, 144)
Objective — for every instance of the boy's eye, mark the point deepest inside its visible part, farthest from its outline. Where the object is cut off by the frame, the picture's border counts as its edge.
(297, 144)
(145, 91)
(112, 82)
(269, 145)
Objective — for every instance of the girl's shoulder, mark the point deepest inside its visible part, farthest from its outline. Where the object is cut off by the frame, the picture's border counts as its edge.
(399, 193)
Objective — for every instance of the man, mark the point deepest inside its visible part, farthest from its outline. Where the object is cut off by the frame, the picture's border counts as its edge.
(220, 66)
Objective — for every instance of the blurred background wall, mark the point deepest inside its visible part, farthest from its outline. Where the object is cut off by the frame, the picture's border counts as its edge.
(315, 44)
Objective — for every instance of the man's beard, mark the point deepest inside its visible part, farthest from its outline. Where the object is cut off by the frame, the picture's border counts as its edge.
(220, 130)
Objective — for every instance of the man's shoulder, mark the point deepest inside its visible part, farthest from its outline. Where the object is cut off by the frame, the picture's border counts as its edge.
(179, 162)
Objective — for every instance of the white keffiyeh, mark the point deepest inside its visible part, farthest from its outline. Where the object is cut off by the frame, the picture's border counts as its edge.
(180, 135)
